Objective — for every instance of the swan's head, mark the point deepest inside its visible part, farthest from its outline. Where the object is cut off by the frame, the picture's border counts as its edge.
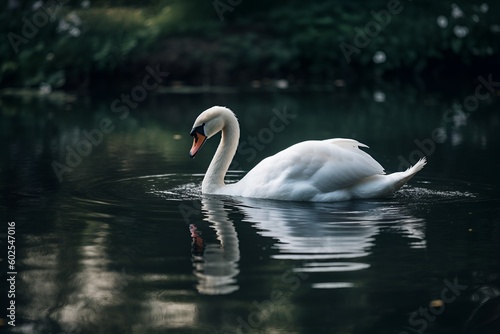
(210, 122)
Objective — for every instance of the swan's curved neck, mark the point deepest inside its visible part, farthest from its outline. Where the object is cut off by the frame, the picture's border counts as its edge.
(214, 178)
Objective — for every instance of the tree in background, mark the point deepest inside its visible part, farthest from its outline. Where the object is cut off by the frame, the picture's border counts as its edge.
(70, 45)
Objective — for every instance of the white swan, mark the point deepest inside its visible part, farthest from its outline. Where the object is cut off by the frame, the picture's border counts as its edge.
(315, 170)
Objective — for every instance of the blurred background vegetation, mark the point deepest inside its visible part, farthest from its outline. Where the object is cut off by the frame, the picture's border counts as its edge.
(90, 45)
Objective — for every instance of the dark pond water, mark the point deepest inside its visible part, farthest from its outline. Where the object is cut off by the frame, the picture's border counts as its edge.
(123, 241)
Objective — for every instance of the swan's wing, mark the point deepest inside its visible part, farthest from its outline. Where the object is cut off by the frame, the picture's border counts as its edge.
(332, 164)
(314, 166)
(346, 143)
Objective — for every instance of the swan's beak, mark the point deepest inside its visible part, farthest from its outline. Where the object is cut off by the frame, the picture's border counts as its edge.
(199, 139)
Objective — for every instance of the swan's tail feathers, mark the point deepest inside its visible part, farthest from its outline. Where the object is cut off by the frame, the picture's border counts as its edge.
(417, 167)
(403, 177)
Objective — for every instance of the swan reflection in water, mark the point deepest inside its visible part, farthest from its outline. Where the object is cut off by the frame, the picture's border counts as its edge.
(215, 261)
(320, 237)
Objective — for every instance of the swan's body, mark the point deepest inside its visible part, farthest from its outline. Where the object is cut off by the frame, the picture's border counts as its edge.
(316, 170)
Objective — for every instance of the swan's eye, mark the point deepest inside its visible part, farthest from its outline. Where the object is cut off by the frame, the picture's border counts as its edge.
(200, 129)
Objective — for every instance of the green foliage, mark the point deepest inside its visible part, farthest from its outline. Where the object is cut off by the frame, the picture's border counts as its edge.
(310, 34)
(257, 39)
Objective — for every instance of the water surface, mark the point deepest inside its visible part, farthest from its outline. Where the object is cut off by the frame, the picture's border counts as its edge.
(126, 243)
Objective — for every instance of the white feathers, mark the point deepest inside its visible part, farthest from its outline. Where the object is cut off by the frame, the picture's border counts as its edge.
(315, 170)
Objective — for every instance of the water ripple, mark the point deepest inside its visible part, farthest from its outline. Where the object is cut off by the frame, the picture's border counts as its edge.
(323, 239)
